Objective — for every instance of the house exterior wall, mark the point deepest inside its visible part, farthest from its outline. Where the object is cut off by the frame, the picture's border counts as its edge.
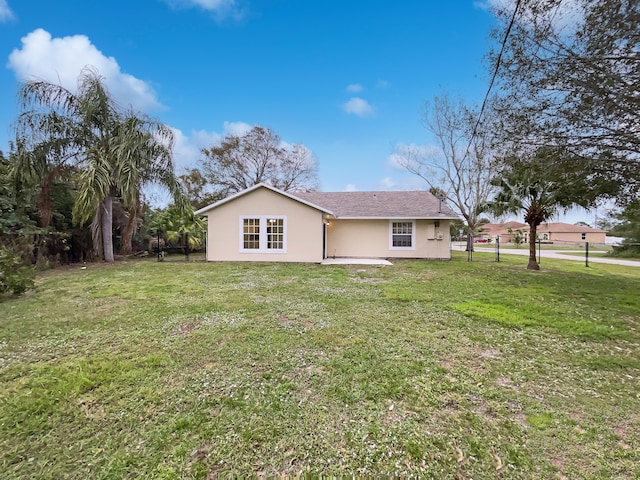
(576, 237)
(370, 238)
(547, 234)
(304, 227)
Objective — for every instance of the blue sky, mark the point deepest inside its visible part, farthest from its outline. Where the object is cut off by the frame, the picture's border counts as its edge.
(346, 78)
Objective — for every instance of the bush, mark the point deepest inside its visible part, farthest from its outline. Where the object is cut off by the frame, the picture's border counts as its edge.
(625, 250)
(15, 276)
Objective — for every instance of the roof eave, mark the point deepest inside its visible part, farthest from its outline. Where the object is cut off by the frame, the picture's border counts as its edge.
(398, 217)
(217, 204)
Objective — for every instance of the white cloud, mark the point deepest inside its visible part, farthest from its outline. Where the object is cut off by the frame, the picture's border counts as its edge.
(5, 12)
(60, 61)
(236, 128)
(350, 187)
(387, 183)
(358, 106)
(404, 154)
(211, 5)
(186, 150)
(382, 84)
(354, 88)
(221, 8)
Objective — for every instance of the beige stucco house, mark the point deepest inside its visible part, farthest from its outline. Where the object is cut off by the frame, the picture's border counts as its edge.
(552, 232)
(263, 223)
(560, 232)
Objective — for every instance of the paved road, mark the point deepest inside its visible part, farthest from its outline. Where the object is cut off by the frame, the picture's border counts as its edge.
(558, 254)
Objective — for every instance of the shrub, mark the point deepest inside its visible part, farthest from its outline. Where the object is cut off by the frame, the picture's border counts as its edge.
(631, 250)
(15, 276)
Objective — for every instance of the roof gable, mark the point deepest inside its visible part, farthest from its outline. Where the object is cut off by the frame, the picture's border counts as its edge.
(355, 205)
(206, 209)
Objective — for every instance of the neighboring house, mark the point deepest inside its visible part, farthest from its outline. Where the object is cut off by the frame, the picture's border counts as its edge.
(556, 232)
(565, 232)
(263, 223)
(506, 231)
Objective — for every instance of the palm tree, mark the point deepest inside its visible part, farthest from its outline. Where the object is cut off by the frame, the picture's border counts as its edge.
(177, 223)
(115, 153)
(540, 187)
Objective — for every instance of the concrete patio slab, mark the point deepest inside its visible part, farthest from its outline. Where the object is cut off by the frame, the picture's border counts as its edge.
(356, 261)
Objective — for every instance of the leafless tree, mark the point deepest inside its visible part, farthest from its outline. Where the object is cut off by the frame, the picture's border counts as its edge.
(462, 163)
(242, 161)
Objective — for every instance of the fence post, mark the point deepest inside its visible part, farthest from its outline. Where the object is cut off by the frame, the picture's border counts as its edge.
(158, 237)
(586, 254)
(186, 241)
(539, 251)
(498, 248)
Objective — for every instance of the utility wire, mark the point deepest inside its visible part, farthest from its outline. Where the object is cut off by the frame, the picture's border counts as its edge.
(493, 77)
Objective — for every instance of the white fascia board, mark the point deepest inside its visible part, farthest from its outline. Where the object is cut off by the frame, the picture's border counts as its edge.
(204, 210)
(398, 218)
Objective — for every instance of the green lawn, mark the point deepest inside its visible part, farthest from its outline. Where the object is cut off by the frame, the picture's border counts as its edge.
(431, 369)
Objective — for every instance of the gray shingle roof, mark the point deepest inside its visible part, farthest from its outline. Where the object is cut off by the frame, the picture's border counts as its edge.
(395, 204)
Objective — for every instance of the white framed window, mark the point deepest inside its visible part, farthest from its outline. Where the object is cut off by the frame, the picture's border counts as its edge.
(402, 235)
(263, 234)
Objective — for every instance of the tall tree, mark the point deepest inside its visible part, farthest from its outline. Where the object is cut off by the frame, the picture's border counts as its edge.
(628, 226)
(540, 187)
(115, 152)
(12, 216)
(570, 75)
(462, 165)
(197, 189)
(242, 161)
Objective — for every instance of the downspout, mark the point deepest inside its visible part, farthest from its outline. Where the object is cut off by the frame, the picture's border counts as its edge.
(324, 240)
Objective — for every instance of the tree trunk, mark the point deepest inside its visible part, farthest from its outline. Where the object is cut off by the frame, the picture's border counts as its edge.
(130, 229)
(96, 234)
(107, 228)
(45, 211)
(533, 262)
(469, 240)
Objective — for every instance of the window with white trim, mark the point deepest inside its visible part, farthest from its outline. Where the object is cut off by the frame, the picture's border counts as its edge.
(251, 234)
(275, 233)
(402, 235)
(263, 234)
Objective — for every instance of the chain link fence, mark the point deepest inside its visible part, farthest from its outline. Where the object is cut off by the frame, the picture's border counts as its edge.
(544, 248)
(185, 246)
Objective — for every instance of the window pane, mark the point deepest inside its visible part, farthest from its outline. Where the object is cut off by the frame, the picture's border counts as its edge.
(401, 233)
(402, 228)
(275, 233)
(402, 240)
(251, 233)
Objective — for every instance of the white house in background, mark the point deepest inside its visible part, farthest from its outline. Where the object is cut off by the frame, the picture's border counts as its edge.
(264, 224)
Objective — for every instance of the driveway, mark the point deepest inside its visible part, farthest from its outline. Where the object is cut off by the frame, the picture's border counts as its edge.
(557, 254)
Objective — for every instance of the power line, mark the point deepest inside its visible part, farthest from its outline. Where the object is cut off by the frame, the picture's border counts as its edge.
(495, 74)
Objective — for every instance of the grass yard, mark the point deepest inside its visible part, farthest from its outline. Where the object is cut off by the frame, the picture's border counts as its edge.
(423, 369)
